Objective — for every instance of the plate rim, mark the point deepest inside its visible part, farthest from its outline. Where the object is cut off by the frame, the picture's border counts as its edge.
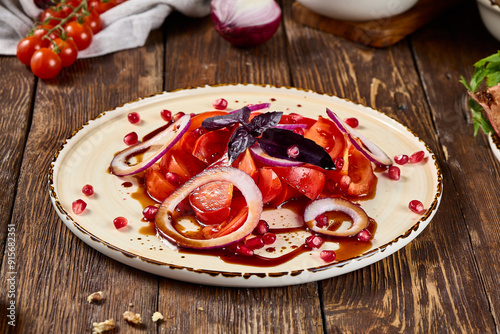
(391, 246)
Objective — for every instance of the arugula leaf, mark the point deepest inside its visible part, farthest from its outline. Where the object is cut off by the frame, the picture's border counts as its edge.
(486, 70)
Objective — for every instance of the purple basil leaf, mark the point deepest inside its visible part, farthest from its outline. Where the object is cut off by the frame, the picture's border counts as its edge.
(240, 140)
(262, 122)
(276, 142)
(218, 122)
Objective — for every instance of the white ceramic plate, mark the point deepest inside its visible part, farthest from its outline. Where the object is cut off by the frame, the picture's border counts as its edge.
(84, 159)
(494, 144)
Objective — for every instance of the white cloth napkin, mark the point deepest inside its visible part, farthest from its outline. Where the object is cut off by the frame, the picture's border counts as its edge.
(126, 26)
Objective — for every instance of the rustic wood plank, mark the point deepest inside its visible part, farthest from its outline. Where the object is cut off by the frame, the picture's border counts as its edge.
(55, 270)
(211, 60)
(421, 288)
(475, 173)
(16, 96)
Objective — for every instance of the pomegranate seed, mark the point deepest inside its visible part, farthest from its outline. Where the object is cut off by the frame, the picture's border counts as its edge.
(299, 131)
(269, 238)
(401, 159)
(352, 122)
(149, 212)
(344, 183)
(293, 151)
(394, 173)
(417, 157)
(255, 243)
(173, 178)
(243, 250)
(339, 163)
(166, 115)
(262, 227)
(88, 190)
(313, 241)
(120, 222)
(131, 138)
(220, 104)
(178, 115)
(327, 255)
(78, 206)
(134, 117)
(416, 206)
(321, 220)
(200, 131)
(364, 235)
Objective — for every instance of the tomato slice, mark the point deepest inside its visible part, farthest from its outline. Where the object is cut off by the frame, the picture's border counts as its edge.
(327, 135)
(212, 202)
(189, 139)
(211, 146)
(287, 192)
(297, 119)
(247, 164)
(361, 173)
(157, 185)
(181, 163)
(307, 181)
(239, 212)
(269, 184)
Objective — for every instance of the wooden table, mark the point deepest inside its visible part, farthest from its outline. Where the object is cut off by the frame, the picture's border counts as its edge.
(445, 281)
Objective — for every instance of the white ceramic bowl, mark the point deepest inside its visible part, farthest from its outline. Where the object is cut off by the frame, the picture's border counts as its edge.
(358, 10)
(490, 15)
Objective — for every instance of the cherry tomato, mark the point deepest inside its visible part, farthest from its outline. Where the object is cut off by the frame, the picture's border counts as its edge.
(45, 63)
(52, 16)
(81, 34)
(93, 20)
(42, 30)
(68, 51)
(212, 202)
(100, 6)
(27, 47)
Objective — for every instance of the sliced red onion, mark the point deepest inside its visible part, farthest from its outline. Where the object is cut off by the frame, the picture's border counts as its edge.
(161, 142)
(371, 151)
(239, 179)
(255, 107)
(359, 217)
(244, 22)
(291, 126)
(263, 157)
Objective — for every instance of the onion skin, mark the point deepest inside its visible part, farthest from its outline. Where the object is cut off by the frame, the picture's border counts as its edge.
(242, 29)
(317, 207)
(119, 165)
(239, 179)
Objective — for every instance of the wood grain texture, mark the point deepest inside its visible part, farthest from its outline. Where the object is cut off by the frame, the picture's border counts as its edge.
(377, 33)
(475, 173)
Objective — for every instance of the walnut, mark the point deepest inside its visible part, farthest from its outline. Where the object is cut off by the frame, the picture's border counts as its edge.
(95, 297)
(101, 327)
(157, 316)
(132, 318)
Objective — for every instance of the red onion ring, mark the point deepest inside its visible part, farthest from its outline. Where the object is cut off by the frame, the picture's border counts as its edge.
(254, 107)
(291, 126)
(359, 217)
(263, 157)
(371, 151)
(239, 179)
(166, 138)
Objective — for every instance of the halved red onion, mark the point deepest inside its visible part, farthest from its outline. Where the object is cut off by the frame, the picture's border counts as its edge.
(161, 143)
(263, 157)
(371, 151)
(239, 179)
(359, 217)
